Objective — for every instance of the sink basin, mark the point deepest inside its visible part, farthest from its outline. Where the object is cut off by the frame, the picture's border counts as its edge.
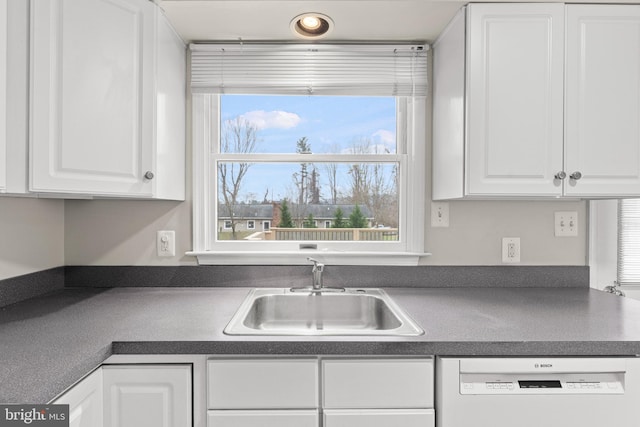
(352, 312)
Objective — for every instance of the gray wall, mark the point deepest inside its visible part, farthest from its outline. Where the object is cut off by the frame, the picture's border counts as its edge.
(31, 235)
(39, 234)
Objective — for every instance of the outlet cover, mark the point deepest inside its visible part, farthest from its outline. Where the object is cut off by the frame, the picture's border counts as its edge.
(510, 250)
(166, 243)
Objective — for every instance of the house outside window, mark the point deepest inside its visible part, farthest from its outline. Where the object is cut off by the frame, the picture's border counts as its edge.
(251, 225)
(240, 160)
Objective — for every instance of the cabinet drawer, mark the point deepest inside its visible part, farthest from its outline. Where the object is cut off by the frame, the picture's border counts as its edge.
(381, 383)
(262, 383)
(380, 418)
(295, 418)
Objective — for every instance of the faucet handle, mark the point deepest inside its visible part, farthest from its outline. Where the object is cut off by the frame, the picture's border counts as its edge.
(317, 265)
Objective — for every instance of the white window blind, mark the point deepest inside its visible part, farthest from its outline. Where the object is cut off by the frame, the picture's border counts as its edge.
(305, 69)
(629, 242)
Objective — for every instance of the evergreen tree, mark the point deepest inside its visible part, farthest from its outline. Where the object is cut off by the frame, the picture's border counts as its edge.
(357, 218)
(338, 220)
(285, 216)
(310, 222)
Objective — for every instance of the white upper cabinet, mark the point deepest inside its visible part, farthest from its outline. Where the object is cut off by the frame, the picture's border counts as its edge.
(3, 94)
(107, 100)
(527, 118)
(514, 98)
(498, 99)
(602, 107)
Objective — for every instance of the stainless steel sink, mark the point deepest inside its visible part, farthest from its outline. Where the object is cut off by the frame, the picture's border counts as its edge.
(352, 312)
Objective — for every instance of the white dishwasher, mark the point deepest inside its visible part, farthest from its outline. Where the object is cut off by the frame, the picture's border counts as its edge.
(538, 392)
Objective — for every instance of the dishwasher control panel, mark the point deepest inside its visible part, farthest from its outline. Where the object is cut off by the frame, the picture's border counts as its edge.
(609, 383)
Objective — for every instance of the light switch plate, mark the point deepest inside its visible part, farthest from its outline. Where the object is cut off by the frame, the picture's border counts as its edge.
(566, 224)
(439, 214)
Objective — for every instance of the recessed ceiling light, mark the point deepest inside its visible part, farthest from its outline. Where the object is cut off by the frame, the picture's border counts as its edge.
(311, 25)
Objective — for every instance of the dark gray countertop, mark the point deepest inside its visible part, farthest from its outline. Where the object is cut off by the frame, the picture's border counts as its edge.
(49, 342)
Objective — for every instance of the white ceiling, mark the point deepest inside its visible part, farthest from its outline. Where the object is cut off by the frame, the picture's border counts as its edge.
(355, 20)
(361, 20)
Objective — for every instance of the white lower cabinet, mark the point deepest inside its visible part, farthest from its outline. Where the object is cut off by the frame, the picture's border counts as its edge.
(85, 401)
(263, 418)
(379, 418)
(353, 392)
(132, 396)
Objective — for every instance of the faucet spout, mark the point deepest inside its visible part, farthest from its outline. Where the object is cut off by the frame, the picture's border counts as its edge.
(316, 271)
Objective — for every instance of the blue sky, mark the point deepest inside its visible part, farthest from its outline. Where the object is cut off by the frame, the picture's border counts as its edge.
(327, 122)
(330, 124)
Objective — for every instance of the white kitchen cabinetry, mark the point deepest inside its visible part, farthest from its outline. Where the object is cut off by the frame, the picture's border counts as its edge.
(132, 396)
(506, 74)
(248, 392)
(378, 392)
(85, 401)
(147, 396)
(14, 88)
(3, 94)
(602, 107)
(107, 100)
(379, 418)
(263, 418)
(511, 120)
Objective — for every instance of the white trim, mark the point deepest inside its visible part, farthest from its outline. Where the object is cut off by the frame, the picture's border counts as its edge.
(300, 257)
(603, 243)
(411, 140)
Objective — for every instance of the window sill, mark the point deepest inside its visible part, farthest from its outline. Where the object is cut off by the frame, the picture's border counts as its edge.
(300, 258)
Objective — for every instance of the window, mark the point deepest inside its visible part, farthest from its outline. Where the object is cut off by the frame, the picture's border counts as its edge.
(251, 225)
(343, 147)
(629, 242)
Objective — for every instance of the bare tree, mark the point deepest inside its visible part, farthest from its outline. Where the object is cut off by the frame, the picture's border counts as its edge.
(332, 177)
(301, 179)
(374, 185)
(237, 136)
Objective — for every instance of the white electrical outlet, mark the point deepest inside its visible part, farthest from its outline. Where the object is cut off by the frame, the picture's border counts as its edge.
(510, 249)
(439, 214)
(566, 224)
(166, 243)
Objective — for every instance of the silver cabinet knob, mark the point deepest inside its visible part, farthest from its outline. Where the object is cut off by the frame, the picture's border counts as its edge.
(149, 175)
(576, 175)
(561, 175)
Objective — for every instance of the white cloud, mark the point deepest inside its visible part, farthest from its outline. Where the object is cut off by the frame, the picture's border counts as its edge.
(385, 136)
(272, 119)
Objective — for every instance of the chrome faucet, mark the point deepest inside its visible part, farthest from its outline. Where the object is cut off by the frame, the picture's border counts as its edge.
(316, 271)
(317, 287)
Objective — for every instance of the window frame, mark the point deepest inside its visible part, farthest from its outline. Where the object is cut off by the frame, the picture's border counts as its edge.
(411, 137)
(251, 224)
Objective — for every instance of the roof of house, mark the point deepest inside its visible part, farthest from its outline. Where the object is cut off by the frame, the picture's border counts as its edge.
(265, 211)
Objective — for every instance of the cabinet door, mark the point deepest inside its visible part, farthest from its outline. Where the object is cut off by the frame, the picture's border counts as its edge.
(85, 401)
(603, 100)
(380, 418)
(514, 99)
(91, 96)
(262, 383)
(378, 383)
(147, 396)
(282, 418)
(3, 95)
